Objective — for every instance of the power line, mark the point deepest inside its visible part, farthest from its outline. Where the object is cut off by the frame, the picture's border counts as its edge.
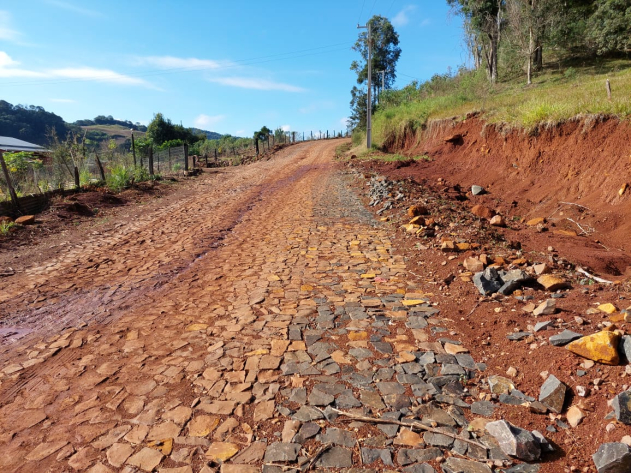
(361, 11)
(390, 8)
(238, 63)
(373, 8)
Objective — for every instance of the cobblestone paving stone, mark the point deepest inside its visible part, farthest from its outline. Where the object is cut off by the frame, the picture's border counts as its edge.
(243, 361)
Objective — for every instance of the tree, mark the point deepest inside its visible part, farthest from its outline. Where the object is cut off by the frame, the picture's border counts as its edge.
(385, 54)
(609, 28)
(485, 18)
(161, 130)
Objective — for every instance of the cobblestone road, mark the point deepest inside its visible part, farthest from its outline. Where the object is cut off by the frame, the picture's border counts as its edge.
(238, 356)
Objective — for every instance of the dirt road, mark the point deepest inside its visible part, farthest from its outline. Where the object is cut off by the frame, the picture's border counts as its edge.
(222, 331)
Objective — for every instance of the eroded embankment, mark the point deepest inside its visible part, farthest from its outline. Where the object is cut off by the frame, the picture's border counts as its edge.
(571, 174)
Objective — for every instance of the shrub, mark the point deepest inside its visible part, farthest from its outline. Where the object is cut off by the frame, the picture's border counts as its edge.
(119, 178)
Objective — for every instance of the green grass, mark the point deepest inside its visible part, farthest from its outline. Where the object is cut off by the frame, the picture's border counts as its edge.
(6, 228)
(557, 94)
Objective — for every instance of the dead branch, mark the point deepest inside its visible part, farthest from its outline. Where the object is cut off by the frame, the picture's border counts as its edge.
(577, 205)
(410, 425)
(595, 278)
(318, 454)
(583, 231)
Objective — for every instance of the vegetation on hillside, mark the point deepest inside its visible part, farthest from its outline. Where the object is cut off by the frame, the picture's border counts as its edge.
(29, 123)
(534, 61)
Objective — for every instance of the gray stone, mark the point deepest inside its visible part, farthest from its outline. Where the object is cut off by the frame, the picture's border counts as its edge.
(307, 413)
(336, 457)
(516, 336)
(487, 281)
(407, 456)
(382, 347)
(371, 455)
(460, 465)
(552, 394)
(360, 353)
(298, 395)
(409, 378)
(510, 400)
(477, 190)
(397, 401)
(282, 452)
(543, 325)
(390, 388)
(416, 322)
(438, 440)
(547, 307)
(419, 468)
(543, 442)
(483, 408)
(523, 468)
(624, 349)
(372, 400)
(318, 398)
(515, 441)
(564, 338)
(346, 401)
(622, 407)
(384, 374)
(425, 358)
(337, 436)
(612, 458)
(466, 361)
(390, 429)
(452, 369)
(308, 430)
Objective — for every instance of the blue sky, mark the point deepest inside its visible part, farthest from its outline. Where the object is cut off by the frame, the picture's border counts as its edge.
(229, 67)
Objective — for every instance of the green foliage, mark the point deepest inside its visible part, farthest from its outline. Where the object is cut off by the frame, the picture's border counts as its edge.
(609, 28)
(141, 174)
(29, 123)
(161, 130)
(21, 161)
(385, 54)
(7, 227)
(119, 177)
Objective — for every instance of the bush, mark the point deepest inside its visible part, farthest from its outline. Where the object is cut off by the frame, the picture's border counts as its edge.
(120, 177)
(7, 227)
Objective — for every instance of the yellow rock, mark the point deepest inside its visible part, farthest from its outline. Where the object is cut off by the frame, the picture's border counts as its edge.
(413, 302)
(273, 277)
(608, 308)
(368, 276)
(408, 438)
(221, 451)
(535, 221)
(406, 356)
(600, 347)
(306, 288)
(452, 349)
(165, 446)
(260, 351)
(339, 358)
(196, 327)
(358, 336)
(552, 283)
(417, 221)
(411, 228)
(478, 425)
(463, 246)
(623, 189)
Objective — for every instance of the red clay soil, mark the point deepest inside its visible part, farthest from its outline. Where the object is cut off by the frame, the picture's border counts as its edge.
(543, 173)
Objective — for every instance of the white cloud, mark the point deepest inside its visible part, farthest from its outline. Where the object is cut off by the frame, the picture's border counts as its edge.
(7, 33)
(170, 62)
(426, 22)
(402, 18)
(73, 8)
(285, 128)
(8, 69)
(101, 75)
(203, 121)
(345, 122)
(63, 100)
(256, 84)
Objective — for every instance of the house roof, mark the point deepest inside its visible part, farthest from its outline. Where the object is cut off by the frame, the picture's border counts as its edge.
(13, 144)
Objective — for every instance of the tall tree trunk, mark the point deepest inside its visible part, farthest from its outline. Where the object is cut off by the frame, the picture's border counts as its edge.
(531, 47)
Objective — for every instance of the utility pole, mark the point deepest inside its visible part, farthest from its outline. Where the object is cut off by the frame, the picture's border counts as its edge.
(369, 102)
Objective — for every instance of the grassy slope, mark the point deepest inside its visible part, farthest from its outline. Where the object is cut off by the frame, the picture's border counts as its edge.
(555, 95)
(115, 131)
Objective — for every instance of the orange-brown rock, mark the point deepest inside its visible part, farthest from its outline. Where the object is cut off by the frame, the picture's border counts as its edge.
(416, 210)
(535, 221)
(26, 220)
(600, 347)
(482, 211)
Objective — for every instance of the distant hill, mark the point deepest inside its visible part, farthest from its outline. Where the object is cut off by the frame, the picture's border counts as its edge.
(29, 123)
(211, 135)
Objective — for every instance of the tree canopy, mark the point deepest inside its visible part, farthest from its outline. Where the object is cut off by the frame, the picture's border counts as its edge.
(385, 54)
(161, 130)
(29, 123)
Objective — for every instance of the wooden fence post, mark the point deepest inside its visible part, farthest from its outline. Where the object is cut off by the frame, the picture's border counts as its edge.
(608, 90)
(206, 158)
(133, 147)
(151, 161)
(7, 176)
(215, 155)
(185, 157)
(77, 182)
(100, 166)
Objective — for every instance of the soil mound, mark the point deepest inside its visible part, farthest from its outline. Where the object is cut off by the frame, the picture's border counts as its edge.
(575, 175)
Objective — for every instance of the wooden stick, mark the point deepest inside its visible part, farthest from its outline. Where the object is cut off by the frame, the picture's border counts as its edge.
(586, 232)
(410, 425)
(595, 278)
(577, 205)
